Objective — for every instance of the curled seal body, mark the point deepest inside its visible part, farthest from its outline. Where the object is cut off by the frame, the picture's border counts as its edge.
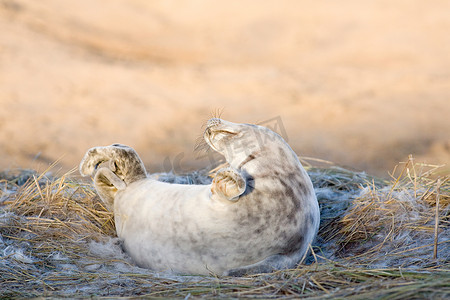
(258, 215)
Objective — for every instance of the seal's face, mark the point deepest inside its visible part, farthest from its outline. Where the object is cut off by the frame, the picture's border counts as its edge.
(219, 134)
(241, 143)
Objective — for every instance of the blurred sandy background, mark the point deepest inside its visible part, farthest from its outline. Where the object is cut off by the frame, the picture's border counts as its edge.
(360, 83)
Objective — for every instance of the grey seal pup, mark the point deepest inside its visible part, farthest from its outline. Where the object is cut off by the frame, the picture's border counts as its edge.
(258, 215)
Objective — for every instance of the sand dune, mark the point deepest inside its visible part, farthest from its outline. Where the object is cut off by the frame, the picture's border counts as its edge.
(360, 84)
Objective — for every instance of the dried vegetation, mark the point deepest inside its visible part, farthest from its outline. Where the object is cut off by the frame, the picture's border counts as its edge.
(378, 239)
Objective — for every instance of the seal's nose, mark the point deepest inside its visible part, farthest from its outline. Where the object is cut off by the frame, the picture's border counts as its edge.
(213, 122)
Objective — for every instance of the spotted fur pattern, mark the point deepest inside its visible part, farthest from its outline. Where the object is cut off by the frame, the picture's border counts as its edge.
(260, 214)
(113, 168)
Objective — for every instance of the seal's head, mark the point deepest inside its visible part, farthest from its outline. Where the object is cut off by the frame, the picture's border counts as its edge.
(243, 144)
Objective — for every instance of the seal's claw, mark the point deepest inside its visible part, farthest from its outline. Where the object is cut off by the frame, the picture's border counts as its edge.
(228, 184)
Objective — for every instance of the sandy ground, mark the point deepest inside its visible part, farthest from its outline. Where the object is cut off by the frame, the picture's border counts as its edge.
(360, 83)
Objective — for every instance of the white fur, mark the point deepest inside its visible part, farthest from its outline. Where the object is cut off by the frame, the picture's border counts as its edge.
(258, 215)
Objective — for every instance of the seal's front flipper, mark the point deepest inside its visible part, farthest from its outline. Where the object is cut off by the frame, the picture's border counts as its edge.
(228, 184)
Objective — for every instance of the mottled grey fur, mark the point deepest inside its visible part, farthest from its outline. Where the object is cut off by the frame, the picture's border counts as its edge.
(258, 215)
(123, 166)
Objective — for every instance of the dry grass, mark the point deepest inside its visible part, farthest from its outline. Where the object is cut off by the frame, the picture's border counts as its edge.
(377, 240)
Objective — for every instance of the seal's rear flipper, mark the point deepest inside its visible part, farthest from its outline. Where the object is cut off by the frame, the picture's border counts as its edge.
(107, 184)
(123, 161)
(113, 168)
(92, 159)
(228, 184)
